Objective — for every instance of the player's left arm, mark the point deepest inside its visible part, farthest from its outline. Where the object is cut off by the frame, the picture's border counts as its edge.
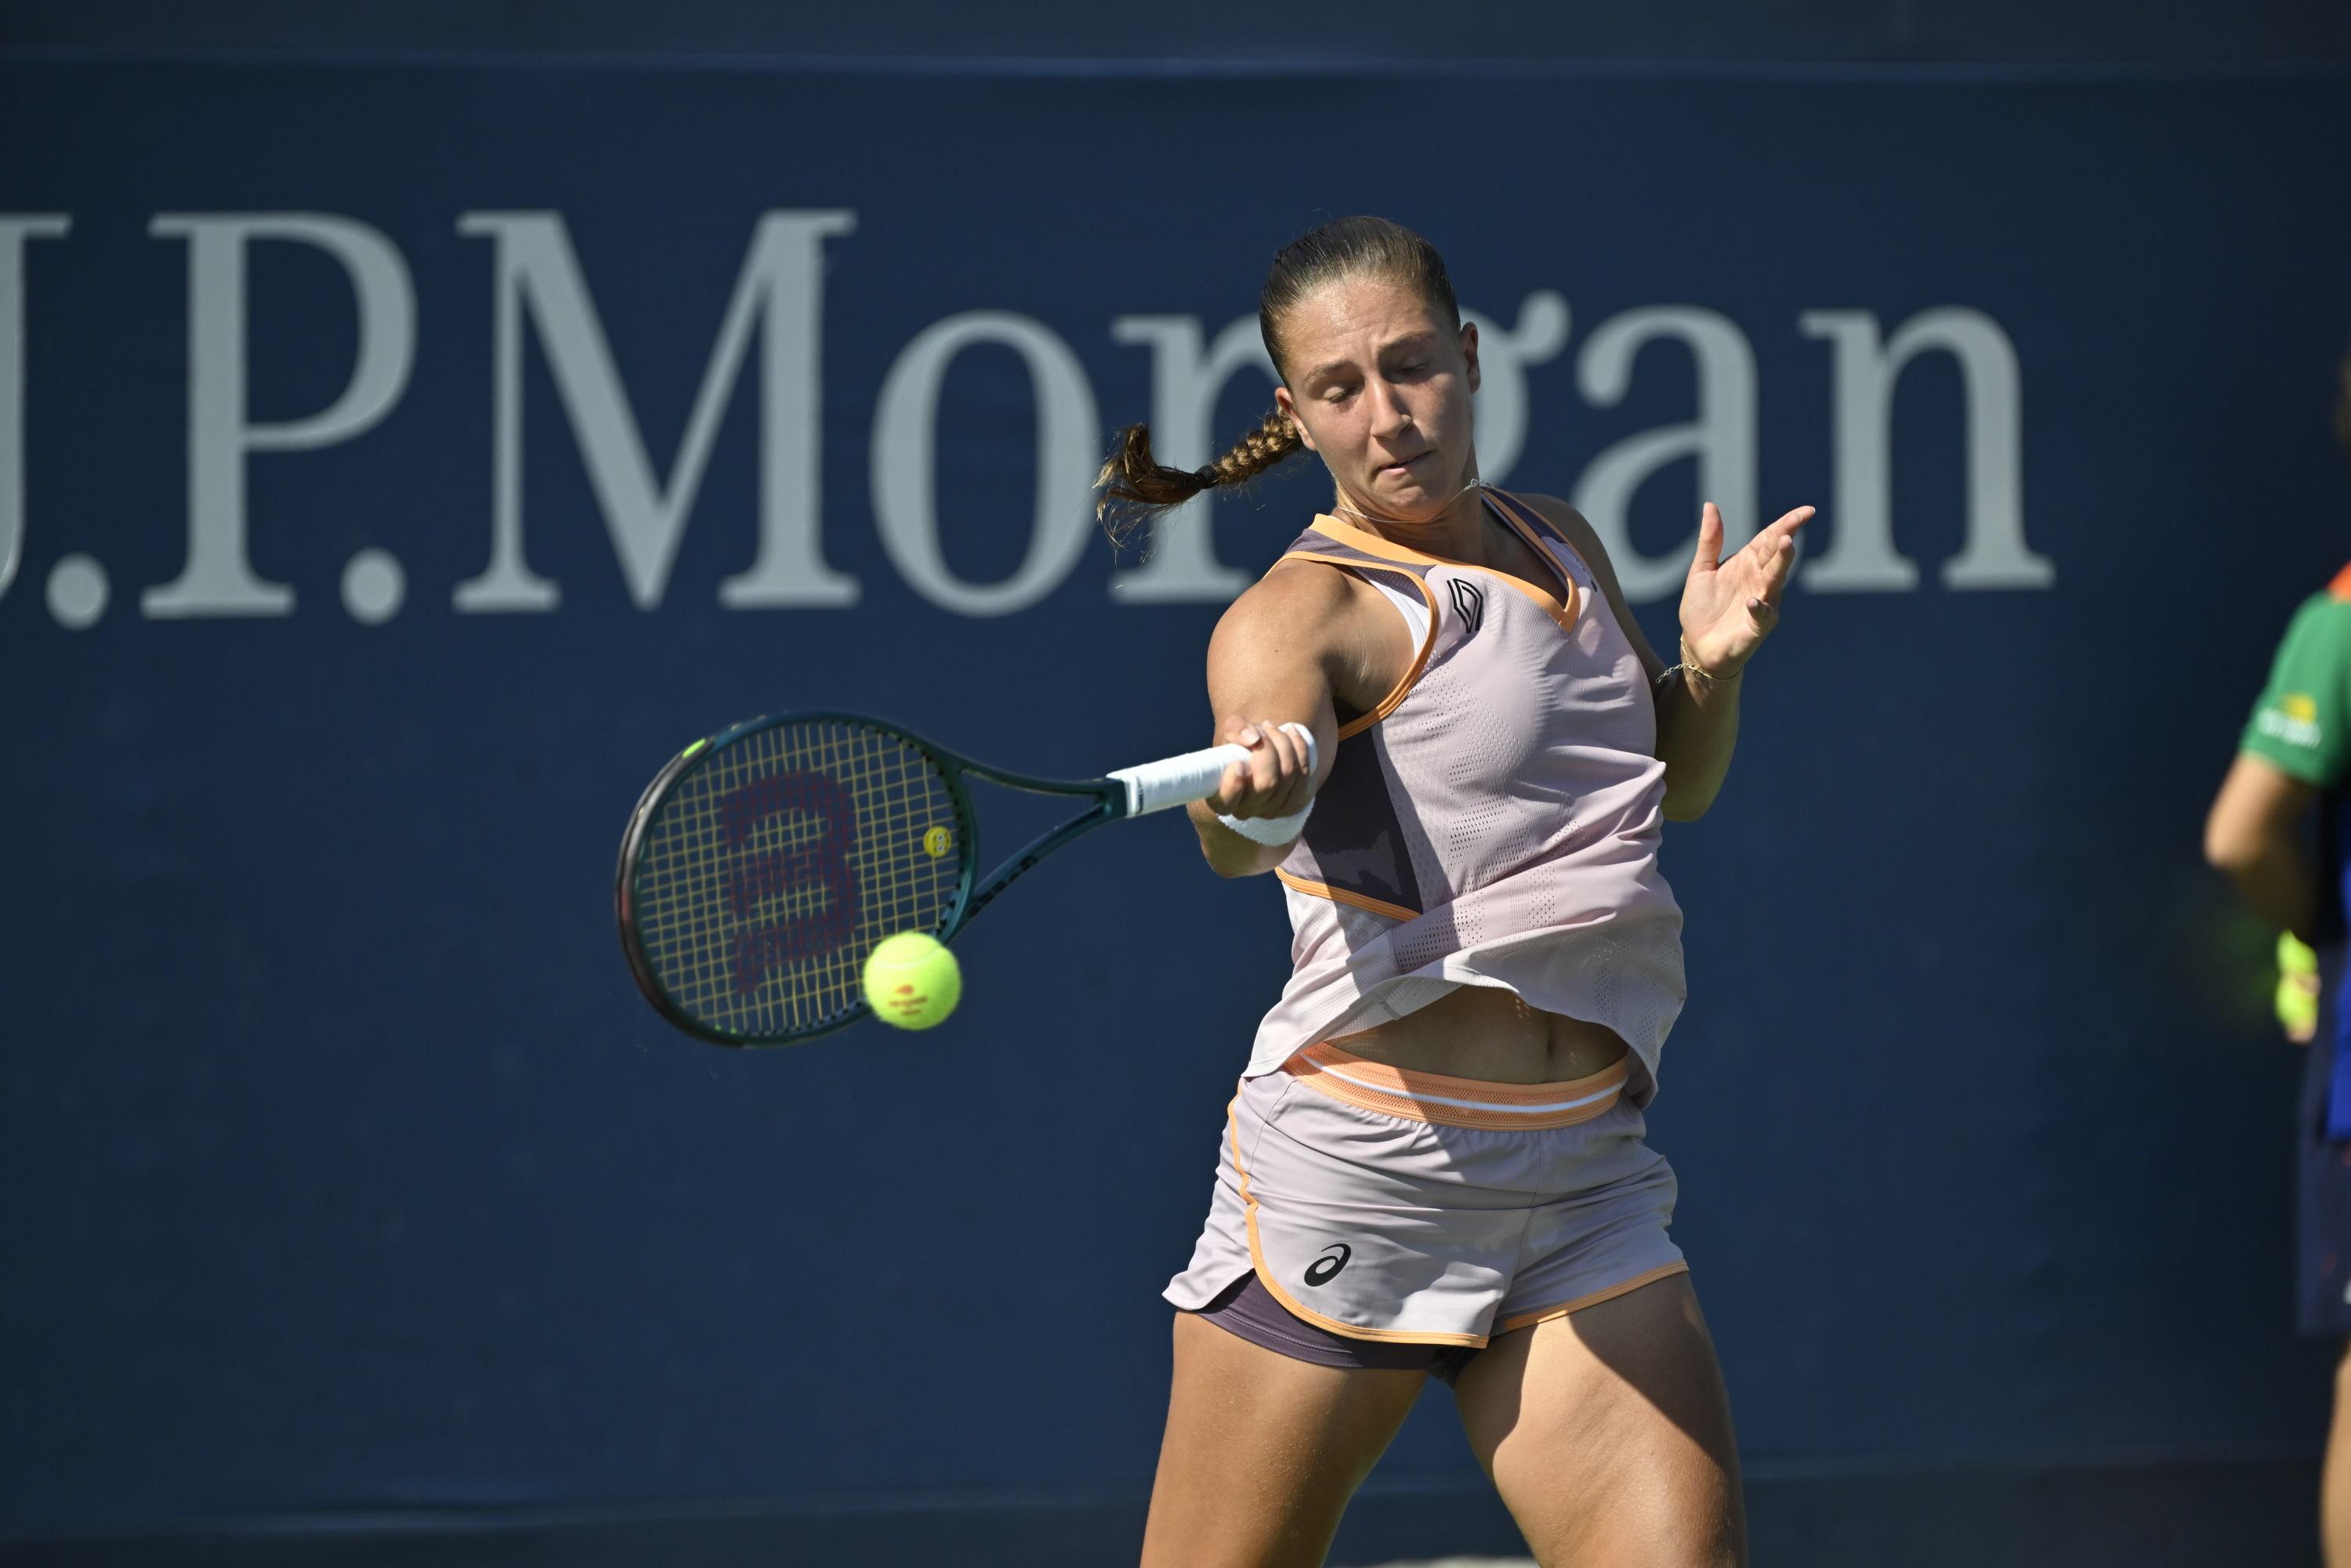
(2254, 834)
(2296, 745)
(1727, 608)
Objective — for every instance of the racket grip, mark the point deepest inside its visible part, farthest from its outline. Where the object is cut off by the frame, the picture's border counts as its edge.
(1180, 780)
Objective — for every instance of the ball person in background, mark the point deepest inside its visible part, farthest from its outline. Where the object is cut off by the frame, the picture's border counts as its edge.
(1435, 1158)
(2295, 763)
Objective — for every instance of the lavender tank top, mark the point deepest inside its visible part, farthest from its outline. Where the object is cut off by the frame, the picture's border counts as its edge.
(1494, 820)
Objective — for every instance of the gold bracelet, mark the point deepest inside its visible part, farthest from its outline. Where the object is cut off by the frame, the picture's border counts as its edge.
(1691, 666)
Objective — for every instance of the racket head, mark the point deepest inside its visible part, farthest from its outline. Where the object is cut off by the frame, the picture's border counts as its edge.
(764, 863)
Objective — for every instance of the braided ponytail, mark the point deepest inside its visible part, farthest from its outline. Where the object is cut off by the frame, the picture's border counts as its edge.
(1136, 488)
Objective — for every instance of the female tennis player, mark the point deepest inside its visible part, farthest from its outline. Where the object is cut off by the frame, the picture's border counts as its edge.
(1434, 1161)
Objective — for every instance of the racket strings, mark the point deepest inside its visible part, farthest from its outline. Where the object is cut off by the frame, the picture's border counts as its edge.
(772, 867)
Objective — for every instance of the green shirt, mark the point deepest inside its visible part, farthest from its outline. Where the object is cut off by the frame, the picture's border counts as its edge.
(2303, 722)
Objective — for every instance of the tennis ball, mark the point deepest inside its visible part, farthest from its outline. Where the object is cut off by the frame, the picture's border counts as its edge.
(911, 981)
(2297, 1007)
(2295, 956)
(2297, 988)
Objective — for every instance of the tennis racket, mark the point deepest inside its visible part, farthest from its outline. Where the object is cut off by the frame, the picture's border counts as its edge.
(764, 863)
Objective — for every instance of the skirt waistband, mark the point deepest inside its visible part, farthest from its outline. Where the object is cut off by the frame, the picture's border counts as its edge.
(1437, 1098)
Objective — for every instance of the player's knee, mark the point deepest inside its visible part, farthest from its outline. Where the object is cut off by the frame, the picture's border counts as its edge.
(1701, 1523)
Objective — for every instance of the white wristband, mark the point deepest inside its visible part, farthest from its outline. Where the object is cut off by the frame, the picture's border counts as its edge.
(1269, 829)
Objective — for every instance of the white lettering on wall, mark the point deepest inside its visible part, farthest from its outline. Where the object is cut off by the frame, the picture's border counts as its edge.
(1722, 438)
(779, 293)
(1069, 449)
(1500, 409)
(218, 580)
(16, 228)
(539, 294)
(1861, 554)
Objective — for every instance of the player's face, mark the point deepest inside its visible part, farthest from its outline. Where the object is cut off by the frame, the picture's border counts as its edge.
(1381, 389)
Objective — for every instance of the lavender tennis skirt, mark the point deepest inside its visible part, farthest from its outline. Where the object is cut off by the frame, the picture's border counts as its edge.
(1390, 1218)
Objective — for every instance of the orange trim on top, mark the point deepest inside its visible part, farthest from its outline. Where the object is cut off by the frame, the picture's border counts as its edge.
(1297, 1308)
(1397, 694)
(1563, 615)
(1413, 1083)
(2341, 587)
(1341, 895)
(1492, 1119)
(1622, 1288)
(1530, 522)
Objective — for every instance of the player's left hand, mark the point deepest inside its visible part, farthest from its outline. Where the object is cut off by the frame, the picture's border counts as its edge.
(1729, 607)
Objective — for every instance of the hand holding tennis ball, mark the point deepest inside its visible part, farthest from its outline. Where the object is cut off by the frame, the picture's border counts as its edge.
(911, 981)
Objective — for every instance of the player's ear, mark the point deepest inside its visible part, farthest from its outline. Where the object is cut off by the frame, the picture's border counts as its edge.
(1283, 401)
(1470, 351)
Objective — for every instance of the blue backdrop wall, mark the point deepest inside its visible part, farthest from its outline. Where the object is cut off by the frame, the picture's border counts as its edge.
(399, 462)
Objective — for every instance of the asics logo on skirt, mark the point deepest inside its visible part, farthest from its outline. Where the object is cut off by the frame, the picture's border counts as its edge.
(1325, 1269)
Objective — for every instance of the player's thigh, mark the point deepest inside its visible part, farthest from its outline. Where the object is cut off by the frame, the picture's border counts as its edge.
(1263, 1452)
(1608, 1434)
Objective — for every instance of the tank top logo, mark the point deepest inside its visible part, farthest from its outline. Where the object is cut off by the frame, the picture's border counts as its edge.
(1468, 601)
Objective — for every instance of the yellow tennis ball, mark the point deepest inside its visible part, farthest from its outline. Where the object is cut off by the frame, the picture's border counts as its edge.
(2297, 988)
(2297, 1007)
(2295, 955)
(911, 981)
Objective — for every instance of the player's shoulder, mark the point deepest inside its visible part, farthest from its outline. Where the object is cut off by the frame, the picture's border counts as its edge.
(1294, 596)
(2326, 612)
(2303, 721)
(1562, 515)
(2313, 656)
(1551, 508)
(1294, 588)
(1582, 538)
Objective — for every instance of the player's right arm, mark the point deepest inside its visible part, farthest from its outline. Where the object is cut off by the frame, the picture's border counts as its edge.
(1286, 651)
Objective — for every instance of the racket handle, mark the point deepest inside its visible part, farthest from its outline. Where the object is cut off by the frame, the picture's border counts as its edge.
(1180, 780)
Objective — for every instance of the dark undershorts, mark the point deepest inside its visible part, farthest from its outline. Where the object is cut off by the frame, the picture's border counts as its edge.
(1247, 1309)
(2322, 1221)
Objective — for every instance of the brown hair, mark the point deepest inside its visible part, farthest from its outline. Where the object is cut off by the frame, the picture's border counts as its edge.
(1136, 487)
